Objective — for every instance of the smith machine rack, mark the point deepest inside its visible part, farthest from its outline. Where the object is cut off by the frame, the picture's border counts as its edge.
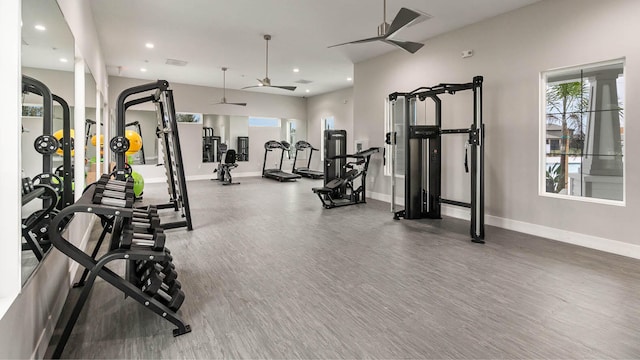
(423, 157)
(162, 97)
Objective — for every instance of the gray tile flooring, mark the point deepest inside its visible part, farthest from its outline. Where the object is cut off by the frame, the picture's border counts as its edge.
(269, 273)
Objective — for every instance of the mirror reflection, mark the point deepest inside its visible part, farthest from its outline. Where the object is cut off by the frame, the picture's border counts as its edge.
(47, 57)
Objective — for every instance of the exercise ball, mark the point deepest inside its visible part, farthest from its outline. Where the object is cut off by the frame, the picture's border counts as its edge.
(135, 141)
(94, 140)
(138, 183)
(58, 136)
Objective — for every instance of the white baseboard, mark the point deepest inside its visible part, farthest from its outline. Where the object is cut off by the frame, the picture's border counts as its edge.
(203, 177)
(570, 237)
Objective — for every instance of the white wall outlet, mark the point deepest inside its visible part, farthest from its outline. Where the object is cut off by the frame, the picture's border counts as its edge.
(467, 53)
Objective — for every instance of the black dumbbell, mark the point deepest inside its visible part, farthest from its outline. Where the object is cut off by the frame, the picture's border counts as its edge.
(140, 224)
(153, 287)
(152, 284)
(163, 267)
(138, 213)
(154, 240)
(27, 185)
(105, 196)
(168, 276)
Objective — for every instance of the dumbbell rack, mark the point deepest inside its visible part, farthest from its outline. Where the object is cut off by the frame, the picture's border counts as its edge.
(97, 266)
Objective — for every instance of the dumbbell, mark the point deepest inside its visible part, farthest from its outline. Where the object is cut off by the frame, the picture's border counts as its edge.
(104, 196)
(153, 287)
(163, 267)
(154, 240)
(27, 185)
(167, 274)
(145, 224)
(143, 213)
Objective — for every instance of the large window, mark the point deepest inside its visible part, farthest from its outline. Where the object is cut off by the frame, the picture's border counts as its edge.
(582, 132)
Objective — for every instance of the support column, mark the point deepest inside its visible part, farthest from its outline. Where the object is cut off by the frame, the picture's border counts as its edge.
(602, 161)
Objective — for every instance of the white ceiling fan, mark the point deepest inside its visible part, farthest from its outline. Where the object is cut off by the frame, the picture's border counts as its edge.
(224, 91)
(266, 82)
(404, 18)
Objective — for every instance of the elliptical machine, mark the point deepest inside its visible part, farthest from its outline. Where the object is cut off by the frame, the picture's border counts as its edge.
(225, 167)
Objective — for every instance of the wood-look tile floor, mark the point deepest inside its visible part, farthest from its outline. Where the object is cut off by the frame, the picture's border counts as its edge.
(269, 274)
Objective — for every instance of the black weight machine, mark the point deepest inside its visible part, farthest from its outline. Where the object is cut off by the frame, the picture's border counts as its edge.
(423, 154)
(162, 96)
(225, 166)
(209, 145)
(276, 173)
(341, 171)
(302, 145)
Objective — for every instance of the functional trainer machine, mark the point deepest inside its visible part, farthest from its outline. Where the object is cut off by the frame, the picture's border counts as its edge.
(276, 173)
(162, 97)
(423, 156)
(302, 145)
(341, 171)
(226, 164)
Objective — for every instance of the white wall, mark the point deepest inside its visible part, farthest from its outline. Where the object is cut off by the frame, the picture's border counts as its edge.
(28, 324)
(510, 52)
(340, 105)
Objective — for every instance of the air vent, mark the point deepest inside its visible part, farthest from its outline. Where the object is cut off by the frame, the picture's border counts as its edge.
(303, 81)
(176, 62)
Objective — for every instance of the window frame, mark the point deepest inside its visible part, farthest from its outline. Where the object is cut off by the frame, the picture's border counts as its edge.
(542, 137)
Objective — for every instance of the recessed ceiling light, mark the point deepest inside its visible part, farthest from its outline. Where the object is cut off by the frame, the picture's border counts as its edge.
(349, 79)
(296, 70)
(307, 90)
(149, 45)
(40, 27)
(143, 69)
(64, 60)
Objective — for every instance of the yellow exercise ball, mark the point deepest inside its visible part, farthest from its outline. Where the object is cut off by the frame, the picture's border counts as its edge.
(135, 141)
(94, 140)
(58, 136)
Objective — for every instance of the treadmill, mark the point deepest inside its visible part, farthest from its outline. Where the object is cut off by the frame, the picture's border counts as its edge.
(276, 174)
(306, 171)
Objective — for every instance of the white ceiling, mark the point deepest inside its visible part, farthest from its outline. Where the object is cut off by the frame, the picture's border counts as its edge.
(210, 34)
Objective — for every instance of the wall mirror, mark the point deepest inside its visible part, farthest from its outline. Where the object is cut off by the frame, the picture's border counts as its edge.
(90, 126)
(47, 55)
(230, 130)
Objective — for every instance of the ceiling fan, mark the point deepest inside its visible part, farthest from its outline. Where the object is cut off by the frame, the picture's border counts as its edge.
(224, 91)
(266, 82)
(404, 18)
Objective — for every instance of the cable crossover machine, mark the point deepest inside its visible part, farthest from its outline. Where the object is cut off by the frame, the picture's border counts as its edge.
(423, 156)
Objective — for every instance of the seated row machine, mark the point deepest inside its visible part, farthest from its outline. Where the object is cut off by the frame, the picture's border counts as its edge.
(342, 171)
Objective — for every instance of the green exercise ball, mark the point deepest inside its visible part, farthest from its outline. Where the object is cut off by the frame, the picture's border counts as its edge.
(138, 183)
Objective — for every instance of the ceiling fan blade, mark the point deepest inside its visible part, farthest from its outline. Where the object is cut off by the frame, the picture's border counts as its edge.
(251, 86)
(290, 88)
(409, 46)
(359, 41)
(239, 104)
(403, 18)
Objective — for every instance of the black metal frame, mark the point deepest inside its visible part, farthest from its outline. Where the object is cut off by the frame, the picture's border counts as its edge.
(301, 145)
(343, 191)
(96, 267)
(168, 127)
(425, 203)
